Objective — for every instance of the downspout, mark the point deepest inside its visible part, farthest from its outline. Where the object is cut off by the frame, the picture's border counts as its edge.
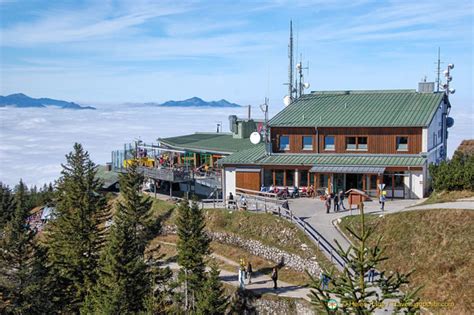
(317, 140)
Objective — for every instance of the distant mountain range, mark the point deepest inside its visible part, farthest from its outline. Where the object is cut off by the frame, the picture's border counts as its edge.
(24, 101)
(194, 102)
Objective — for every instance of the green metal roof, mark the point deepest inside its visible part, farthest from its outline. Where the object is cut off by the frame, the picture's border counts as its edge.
(384, 108)
(223, 143)
(256, 156)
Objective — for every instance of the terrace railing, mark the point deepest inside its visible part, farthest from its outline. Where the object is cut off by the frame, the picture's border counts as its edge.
(167, 174)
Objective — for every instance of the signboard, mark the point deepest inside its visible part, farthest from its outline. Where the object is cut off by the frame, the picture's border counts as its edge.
(381, 186)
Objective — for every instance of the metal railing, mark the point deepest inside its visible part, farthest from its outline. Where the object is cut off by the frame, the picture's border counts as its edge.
(167, 174)
(263, 201)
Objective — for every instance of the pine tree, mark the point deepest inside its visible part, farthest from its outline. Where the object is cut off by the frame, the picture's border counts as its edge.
(7, 206)
(22, 276)
(352, 292)
(193, 247)
(211, 300)
(75, 237)
(125, 280)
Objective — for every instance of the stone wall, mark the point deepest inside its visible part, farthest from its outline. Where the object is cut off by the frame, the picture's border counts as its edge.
(256, 248)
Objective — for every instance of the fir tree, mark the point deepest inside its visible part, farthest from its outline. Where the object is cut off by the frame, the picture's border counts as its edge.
(125, 280)
(22, 276)
(193, 247)
(353, 293)
(75, 237)
(7, 206)
(211, 300)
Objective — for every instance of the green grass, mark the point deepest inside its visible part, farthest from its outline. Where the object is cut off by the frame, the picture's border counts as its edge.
(447, 196)
(438, 244)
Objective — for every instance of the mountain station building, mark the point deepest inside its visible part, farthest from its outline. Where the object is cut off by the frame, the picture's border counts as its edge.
(339, 140)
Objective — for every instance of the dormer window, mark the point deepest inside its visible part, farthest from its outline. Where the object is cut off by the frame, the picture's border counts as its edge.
(284, 143)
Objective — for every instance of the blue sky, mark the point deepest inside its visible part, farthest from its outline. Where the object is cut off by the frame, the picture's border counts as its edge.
(132, 51)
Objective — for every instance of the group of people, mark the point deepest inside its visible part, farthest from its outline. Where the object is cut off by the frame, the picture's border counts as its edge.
(285, 192)
(245, 273)
(337, 199)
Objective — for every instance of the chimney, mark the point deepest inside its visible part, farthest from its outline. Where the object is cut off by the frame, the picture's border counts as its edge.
(426, 87)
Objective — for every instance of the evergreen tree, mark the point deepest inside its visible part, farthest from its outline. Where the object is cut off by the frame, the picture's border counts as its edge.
(193, 247)
(211, 300)
(125, 279)
(75, 237)
(22, 276)
(353, 293)
(7, 206)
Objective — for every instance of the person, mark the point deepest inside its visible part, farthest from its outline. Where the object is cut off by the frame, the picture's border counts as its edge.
(382, 200)
(249, 272)
(241, 278)
(341, 200)
(243, 203)
(311, 191)
(324, 280)
(231, 200)
(295, 193)
(336, 203)
(275, 277)
(371, 275)
(328, 203)
(271, 189)
(263, 189)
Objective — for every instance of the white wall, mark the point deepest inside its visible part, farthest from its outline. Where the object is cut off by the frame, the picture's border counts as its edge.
(229, 183)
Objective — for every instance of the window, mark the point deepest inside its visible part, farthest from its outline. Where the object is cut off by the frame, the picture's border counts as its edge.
(267, 178)
(290, 178)
(284, 143)
(307, 143)
(362, 143)
(373, 182)
(303, 178)
(329, 143)
(351, 143)
(323, 180)
(279, 178)
(356, 143)
(402, 143)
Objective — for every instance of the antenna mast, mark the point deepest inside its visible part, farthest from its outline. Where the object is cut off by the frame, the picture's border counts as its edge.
(439, 71)
(290, 65)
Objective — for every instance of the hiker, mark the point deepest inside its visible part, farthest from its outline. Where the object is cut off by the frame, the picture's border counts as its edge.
(295, 193)
(231, 200)
(285, 205)
(243, 203)
(336, 203)
(275, 277)
(341, 200)
(324, 280)
(371, 274)
(328, 203)
(249, 272)
(242, 274)
(382, 200)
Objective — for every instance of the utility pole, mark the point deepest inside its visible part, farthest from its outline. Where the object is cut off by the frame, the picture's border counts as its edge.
(439, 71)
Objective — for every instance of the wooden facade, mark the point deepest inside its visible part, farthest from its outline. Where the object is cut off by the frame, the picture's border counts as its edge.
(248, 180)
(379, 140)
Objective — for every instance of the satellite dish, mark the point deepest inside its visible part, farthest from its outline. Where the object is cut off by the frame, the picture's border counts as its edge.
(287, 100)
(306, 85)
(255, 137)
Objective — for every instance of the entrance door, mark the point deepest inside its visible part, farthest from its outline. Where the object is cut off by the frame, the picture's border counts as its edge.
(354, 181)
(338, 183)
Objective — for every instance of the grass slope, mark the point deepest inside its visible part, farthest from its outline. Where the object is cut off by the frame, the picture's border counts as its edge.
(448, 196)
(438, 244)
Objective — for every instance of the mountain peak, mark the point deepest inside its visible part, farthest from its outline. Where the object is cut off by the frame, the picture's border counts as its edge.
(22, 100)
(198, 102)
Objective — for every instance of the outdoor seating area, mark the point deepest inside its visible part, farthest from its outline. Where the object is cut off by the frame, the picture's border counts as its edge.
(294, 192)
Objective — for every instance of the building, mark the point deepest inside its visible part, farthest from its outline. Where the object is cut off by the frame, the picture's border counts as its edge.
(339, 140)
(187, 163)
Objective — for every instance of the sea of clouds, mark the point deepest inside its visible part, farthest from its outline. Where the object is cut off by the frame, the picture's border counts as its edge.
(34, 141)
